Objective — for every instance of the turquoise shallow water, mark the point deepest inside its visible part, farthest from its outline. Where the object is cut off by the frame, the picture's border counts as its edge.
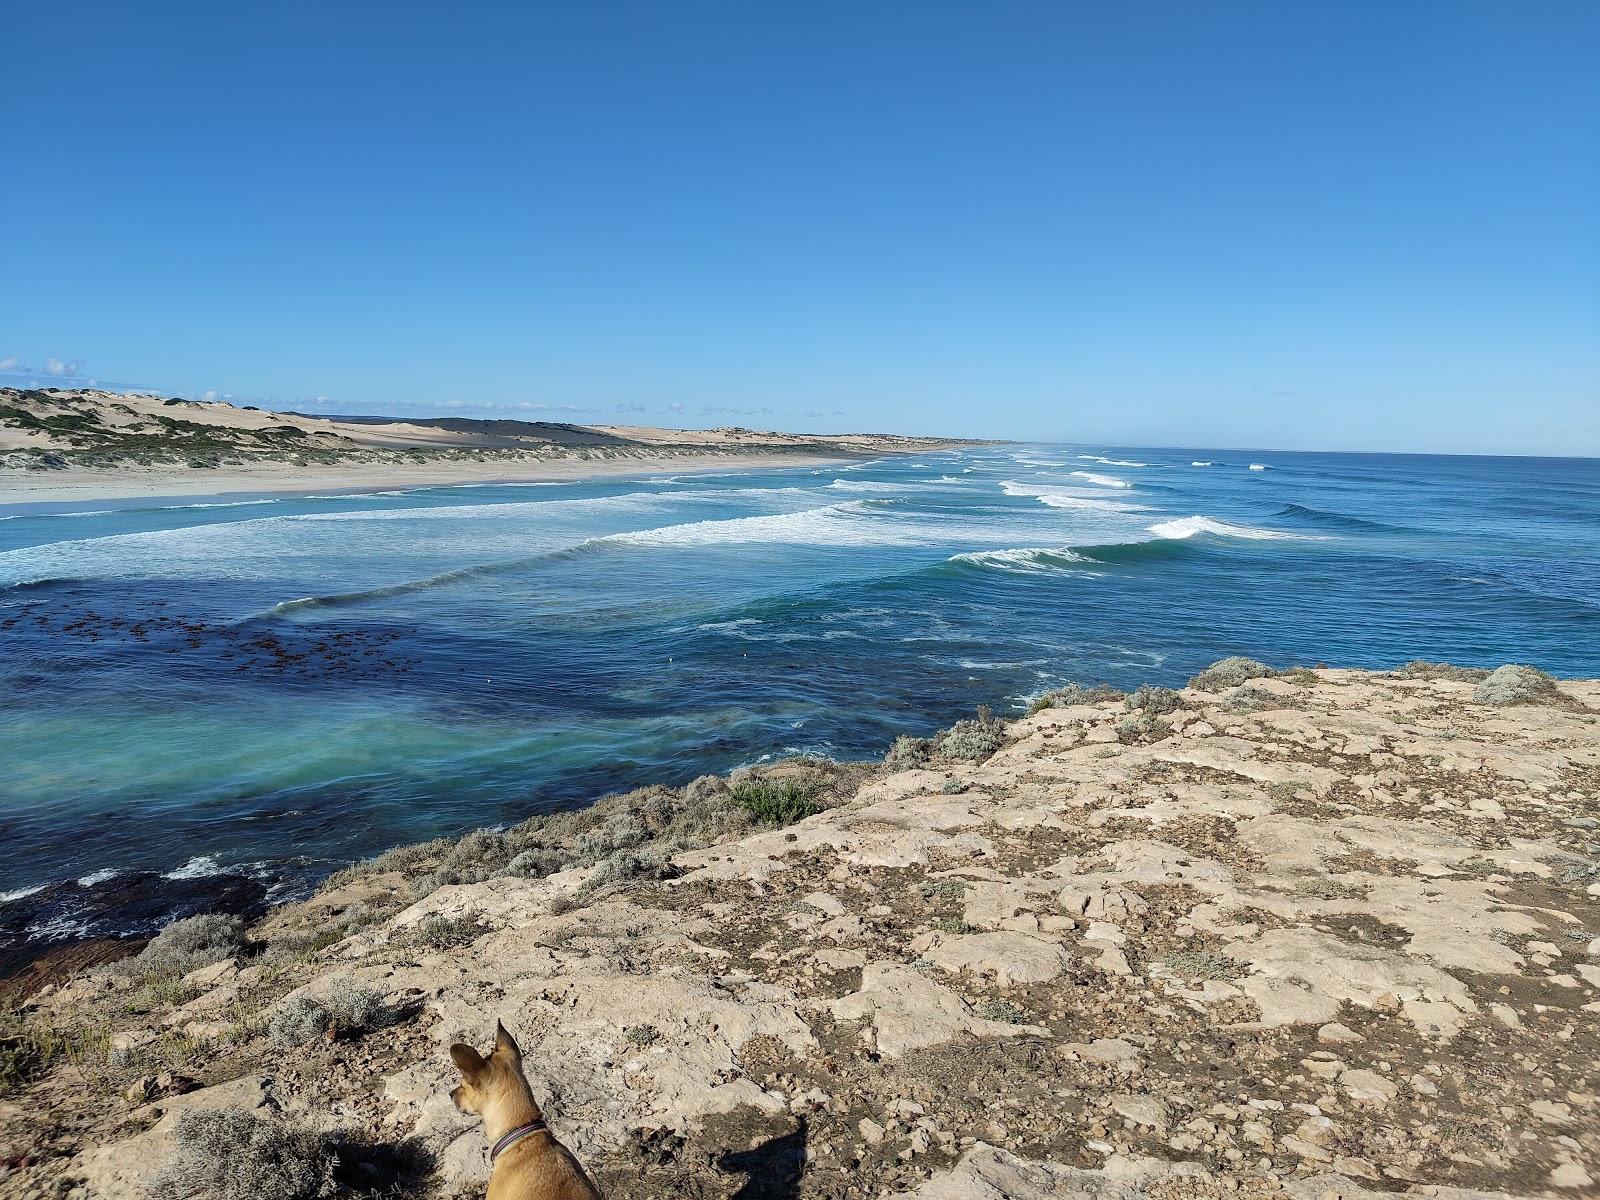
(244, 694)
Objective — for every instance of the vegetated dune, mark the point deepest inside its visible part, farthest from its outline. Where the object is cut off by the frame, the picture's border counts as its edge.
(55, 428)
(1305, 933)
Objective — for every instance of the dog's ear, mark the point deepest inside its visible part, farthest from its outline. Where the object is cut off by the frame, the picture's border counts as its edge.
(468, 1061)
(507, 1045)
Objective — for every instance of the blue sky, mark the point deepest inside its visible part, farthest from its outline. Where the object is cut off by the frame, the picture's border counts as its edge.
(1342, 225)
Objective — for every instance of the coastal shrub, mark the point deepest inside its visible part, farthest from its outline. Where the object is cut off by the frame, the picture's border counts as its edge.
(229, 1154)
(705, 790)
(1075, 693)
(345, 1008)
(660, 820)
(1581, 872)
(184, 946)
(640, 1036)
(1003, 1011)
(620, 832)
(298, 1021)
(1200, 965)
(777, 801)
(1157, 701)
(438, 932)
(908, 752)
(1230, 672)
(628, 866)
(1248, 699)
(27, 1049)
(974, 739)
(717, 817)
(1419, 668)
(1141, 727)
(1515, 684)
(354, 1007)
(536, 863)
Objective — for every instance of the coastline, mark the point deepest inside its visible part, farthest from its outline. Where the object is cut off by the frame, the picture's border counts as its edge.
(22, 488)
(1085, 910)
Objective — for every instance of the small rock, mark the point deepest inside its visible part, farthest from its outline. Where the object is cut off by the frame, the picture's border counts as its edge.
(1319, 1131)
(1335, 1034)
(1571, 1174)
(1506, 1015)
(1368, 1089)
(1551, 1112)
(1141, 1110)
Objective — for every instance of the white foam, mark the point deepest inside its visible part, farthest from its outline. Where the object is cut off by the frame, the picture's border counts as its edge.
(856, 485)
(58, 927)
(1111, 462)
(852, 523)
(7, 897)
(1187, 527)
(98, 877)
(216, 504)
(1102, 480)
(197, 867)
(1026, 560)
(1061, 497)
(1201, 463)
(1258, 466)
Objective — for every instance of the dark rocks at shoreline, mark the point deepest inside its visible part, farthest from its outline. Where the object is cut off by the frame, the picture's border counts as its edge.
(125, 907)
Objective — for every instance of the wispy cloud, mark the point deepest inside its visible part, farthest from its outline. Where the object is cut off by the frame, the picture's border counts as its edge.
(713, 410)
(9, 363)
(61, 370)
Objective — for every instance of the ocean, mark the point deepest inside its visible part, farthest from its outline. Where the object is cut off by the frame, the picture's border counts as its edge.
(219, 702)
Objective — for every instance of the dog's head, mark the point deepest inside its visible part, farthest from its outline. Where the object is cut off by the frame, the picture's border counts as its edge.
(489, 1081)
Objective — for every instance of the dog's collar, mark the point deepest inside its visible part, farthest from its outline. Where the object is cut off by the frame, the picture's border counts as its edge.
(515, 1136)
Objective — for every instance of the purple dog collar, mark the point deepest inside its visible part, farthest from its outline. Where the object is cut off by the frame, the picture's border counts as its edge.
(515, 1136)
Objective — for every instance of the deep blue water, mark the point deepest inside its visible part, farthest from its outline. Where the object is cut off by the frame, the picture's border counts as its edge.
(279, 686)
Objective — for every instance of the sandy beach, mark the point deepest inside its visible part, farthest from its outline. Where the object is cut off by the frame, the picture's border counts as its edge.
(87, 446)
(82, 485)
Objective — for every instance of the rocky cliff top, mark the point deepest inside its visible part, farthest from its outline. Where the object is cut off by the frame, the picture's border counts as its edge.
(1313, 934)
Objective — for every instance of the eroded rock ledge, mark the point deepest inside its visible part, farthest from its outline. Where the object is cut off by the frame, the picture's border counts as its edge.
(1335, 934)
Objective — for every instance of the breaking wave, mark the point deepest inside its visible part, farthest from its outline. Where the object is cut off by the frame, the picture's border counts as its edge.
(1027, 560)
(1111, 462)
(1188, 527)
(1062, 497)
(1110, 481)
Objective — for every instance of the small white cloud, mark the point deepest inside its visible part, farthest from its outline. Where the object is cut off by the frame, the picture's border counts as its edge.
(65, 370)
(209, 395)
(9, 363)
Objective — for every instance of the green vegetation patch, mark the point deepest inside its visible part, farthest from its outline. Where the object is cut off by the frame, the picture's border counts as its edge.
(777, 801)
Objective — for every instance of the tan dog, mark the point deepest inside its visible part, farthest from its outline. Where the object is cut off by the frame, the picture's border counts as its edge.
(526, 1162)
